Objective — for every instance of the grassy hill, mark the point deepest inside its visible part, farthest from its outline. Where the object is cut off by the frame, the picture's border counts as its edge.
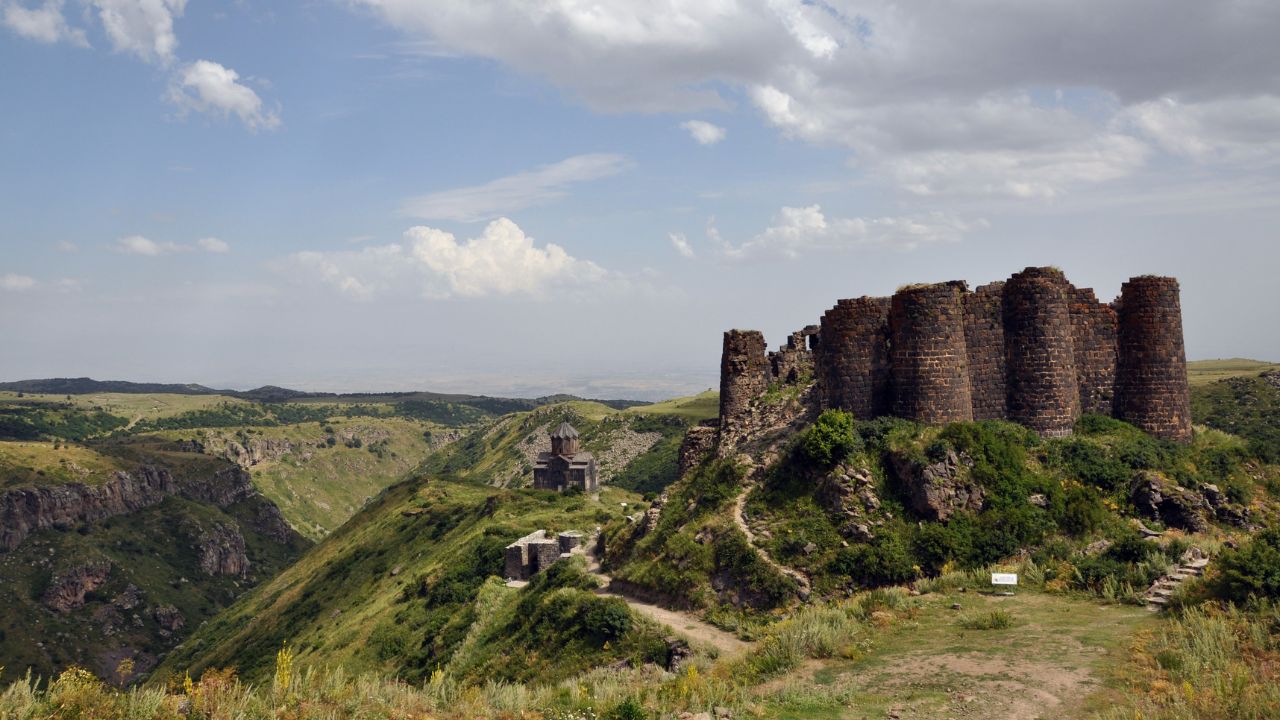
(1203, 372)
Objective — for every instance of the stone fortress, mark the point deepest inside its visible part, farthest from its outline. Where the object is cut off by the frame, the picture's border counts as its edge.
(567, 465)
(1034, 349)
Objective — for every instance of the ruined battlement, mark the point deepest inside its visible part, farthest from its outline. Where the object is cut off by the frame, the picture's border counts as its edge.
(1034, 349)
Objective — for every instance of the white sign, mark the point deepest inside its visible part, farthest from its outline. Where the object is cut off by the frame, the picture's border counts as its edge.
(1004, 578)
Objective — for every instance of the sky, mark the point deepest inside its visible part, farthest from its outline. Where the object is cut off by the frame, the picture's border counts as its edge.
(527, 197)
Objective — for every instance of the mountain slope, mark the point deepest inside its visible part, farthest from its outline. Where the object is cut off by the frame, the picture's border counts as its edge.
(117, 553)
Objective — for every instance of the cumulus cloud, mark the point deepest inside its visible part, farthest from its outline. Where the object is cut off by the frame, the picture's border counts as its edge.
(146, 247)
(704, 132)
(514, 192)
(207, 87)
(44, 22)
(501, 261)
(16, 283)
(141, 27)
(213, 245)
(681, 244)
(908, 89)
(796, 230)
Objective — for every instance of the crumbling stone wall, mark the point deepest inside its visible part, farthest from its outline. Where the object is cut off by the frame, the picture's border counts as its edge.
(744, 373)
(927, 354)
(793, 360)
(984, 338)
(851, 357)
(1093, 330)
(698, 443)
(1039, 352)
(1151, 371)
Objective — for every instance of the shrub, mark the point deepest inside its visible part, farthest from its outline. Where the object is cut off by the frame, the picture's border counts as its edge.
(884, 561)
(1252, 570)
(829, 440)
(608, 618)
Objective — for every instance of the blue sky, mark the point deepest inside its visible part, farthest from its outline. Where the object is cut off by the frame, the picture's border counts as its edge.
(528, 197)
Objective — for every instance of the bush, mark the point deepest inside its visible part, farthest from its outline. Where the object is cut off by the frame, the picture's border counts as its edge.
(1251, 571)
(607, 618)
(884, 561)
(829, 440)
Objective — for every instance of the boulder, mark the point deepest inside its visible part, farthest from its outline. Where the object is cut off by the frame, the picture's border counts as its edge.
(938, 490)
(1158, 497)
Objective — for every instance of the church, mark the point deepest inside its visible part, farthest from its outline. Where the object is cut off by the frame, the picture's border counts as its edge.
(567, 465)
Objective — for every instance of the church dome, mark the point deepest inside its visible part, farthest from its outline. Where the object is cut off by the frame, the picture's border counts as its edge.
(564, 432)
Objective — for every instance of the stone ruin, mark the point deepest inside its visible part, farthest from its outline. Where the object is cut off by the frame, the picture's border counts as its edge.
(536, 552)
(1034, 350)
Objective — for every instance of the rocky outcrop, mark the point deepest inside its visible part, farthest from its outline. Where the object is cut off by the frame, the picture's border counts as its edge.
(67, 506)
(256, 451)
(938, 490)
(169, 618)
(67, 589)
(222, 551)
(850, 495)
(1160, 498)
(269, 521)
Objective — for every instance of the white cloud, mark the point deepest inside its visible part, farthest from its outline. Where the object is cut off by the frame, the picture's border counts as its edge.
(796, 230)
(43, 23)
(208, 87)
(909, 88)
(141, 27)
(681, 244)
(704, 132)
(213, 245)
(501, 261)
(67, 246)
(68, 285)
(514, 192)
(16, 283)
(1226, 129)
(140, 245)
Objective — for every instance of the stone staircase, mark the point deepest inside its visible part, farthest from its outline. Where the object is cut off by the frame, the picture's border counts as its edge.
(1162, 590)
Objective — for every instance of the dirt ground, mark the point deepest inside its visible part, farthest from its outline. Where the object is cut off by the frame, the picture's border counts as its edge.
(1051, 663)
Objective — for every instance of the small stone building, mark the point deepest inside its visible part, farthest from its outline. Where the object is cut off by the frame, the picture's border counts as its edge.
(536, 552)
(567, 465)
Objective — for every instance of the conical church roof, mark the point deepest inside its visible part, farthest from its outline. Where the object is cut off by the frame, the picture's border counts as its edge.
(564, 432)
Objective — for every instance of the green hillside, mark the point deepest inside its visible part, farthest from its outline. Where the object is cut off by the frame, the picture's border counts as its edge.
(132, 585)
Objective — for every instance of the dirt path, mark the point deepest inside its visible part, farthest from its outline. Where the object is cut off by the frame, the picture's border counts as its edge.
(739, 519)
(682, 623)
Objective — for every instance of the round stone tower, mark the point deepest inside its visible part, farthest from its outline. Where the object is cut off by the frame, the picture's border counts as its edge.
(927, 354)
(851, 357)
(984, 336)
(1151, 369)
(744, 373)
(1040, 363)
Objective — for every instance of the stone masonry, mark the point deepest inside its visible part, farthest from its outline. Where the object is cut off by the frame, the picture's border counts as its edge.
(744, 374)
(1151, 370)
(1034, 349)
(536, 552)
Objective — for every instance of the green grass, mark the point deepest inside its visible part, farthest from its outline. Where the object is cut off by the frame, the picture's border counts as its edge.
(696, 408)
(395, 589)
(318, 486)
(47, 463)
(1203, 372)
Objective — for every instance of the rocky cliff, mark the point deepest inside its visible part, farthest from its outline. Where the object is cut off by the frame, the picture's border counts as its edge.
(71, 505)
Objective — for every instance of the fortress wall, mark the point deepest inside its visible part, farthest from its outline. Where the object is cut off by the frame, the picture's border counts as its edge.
(984, 339)
(1043, 392)
(793, 361)
(1151, 372)
(851, 357)
(1093, 328)
(744, 373)
(927, 354)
